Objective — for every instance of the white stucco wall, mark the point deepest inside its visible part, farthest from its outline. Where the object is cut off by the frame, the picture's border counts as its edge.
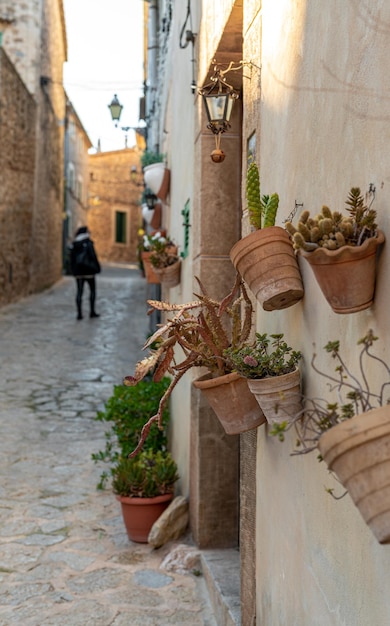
(323, 128)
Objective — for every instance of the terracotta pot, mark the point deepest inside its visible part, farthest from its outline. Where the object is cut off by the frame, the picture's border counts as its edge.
(157, 178)
(139, 514)
(151, 276)
(346, 276)
(279, 397)
(266, 261)
(169, 276)
(358, 451)
(232, 402)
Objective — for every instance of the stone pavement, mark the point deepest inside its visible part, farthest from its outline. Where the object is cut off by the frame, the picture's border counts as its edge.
(65, 559)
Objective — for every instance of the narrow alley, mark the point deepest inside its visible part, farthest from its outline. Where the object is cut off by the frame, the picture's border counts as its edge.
(65, 558)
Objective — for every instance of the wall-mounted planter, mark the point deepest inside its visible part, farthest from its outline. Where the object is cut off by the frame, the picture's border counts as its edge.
(232, 402)
(157, 178)
(346, 276)
(169, 276)
(266, 261)
(279, 397)
(150, 274)
(358, 452)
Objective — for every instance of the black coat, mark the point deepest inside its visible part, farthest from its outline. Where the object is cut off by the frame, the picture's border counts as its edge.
(83, 259)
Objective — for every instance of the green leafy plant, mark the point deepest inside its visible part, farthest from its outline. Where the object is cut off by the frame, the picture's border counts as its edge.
(196, 336)
(260, 208)
(125, 411)
(149, 157)
(351, 394)
(333, 230)
(150, 474)
(264, 358)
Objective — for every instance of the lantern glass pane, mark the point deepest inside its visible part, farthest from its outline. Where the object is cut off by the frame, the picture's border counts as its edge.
(217, 107)
(116, 110)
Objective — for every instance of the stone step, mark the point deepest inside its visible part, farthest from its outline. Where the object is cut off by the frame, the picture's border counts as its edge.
(221, 571)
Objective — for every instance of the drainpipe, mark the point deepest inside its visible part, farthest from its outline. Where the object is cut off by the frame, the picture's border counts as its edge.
(151, 101)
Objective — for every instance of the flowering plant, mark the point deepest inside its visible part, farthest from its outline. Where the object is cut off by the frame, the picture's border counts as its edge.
(255, 360)
(163, 251)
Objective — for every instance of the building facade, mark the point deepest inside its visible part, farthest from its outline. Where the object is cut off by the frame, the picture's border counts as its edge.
(76, 172)
(32, 128)
(114, 218)
(313, 113)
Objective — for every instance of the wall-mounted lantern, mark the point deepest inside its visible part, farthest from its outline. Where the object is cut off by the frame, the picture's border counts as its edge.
(219, 97)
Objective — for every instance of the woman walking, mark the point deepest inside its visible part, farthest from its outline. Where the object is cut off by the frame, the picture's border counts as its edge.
(84, 265)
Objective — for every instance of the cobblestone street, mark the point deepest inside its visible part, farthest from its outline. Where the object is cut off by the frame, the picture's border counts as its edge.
(65, 559)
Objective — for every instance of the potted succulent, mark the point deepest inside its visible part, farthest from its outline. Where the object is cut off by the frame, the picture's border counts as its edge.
(144, 487)
(202, 330)
(156, 174)
(265, 258)
(351, 430)
(165, 260)
(271, 369)
(342, 252)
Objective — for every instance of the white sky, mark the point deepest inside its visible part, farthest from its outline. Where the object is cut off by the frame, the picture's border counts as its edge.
(105, 57)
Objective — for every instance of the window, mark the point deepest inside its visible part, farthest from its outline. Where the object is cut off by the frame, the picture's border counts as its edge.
(120, 226)
(79, 189)
(71, 177)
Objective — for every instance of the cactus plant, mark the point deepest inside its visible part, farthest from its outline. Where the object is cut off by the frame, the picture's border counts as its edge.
(259, 207)
(332, 230)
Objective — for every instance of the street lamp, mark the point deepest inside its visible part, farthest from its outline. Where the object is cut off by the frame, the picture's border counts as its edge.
(115, 109)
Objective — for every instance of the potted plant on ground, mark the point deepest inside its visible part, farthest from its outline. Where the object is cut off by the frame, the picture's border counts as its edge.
(342, 252)
(351, 430)
(145, 487)
(156, 174)
(271, 369)
(201, 331)
(165, 261)
(265, 258)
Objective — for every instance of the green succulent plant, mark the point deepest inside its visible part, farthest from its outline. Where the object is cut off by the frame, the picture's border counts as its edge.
(260, 208)
(333, 230)
(265, 357)
(149, 157)
(148, 475)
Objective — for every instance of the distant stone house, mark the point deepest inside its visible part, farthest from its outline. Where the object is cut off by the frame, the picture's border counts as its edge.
(114, 217)
(31, 158)
(76, 164)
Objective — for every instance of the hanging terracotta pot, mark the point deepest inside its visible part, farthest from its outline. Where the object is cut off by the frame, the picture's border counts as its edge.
(232, 402)
(139, 514)
(157, 178)
(266, 261)
(169, 276)
(279, 397)
(346, 276)
(151, 276)
(358, 452)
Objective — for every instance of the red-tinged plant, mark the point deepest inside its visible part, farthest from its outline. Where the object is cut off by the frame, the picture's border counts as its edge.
(201, 331)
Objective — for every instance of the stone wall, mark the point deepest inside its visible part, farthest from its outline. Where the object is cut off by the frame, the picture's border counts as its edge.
(31, 196)
(17, 140)
(112, 189)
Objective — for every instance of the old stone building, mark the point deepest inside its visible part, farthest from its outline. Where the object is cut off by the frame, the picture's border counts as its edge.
(115, 190)
(313, 112)
(76, 174)
(31, 160)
